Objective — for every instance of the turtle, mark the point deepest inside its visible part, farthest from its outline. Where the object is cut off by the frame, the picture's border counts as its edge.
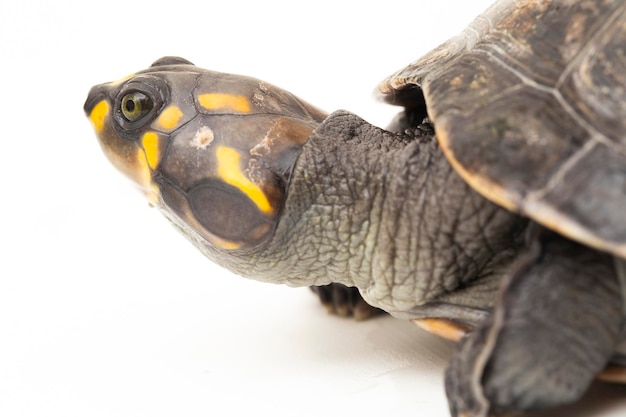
(490, 211)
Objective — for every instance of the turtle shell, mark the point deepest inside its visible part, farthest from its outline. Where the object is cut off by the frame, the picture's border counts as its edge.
(529, 106)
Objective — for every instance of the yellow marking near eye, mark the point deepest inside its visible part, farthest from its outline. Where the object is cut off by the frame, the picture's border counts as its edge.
(169, 118)
(220, 101)
(150, 144)
(229, 171)
(98, 114)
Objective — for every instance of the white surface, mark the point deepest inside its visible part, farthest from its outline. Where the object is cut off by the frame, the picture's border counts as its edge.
(104, 309)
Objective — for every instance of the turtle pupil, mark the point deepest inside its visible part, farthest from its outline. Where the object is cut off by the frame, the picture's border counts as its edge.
(135, 105)
(130, 106)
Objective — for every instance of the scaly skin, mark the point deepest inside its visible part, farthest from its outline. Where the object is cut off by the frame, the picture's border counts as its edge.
(386, 213)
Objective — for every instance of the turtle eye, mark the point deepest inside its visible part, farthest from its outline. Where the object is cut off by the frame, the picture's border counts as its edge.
(136, 105)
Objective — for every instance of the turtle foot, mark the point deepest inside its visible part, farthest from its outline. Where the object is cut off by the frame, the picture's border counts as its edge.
(345, 301)
(555, 326)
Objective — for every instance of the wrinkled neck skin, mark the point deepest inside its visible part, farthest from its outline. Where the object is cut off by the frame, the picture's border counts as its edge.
(386, 213)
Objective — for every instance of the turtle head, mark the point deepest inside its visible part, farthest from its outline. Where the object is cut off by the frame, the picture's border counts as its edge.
(214, 151)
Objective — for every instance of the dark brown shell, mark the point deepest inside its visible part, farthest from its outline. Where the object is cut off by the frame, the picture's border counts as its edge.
(529, 105)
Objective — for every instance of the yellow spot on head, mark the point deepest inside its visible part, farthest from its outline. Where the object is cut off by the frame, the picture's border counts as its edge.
(150, 144)
(229, 171)
(220, 101)
(99, 114)
(169, 118)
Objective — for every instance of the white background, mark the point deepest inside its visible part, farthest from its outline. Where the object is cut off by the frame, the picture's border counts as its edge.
(104, 309)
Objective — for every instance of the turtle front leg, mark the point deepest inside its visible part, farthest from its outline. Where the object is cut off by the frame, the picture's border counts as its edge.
(345, 301)
(555, 326)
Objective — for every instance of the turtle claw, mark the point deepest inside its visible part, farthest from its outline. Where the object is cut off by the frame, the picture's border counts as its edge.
(345, 301)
